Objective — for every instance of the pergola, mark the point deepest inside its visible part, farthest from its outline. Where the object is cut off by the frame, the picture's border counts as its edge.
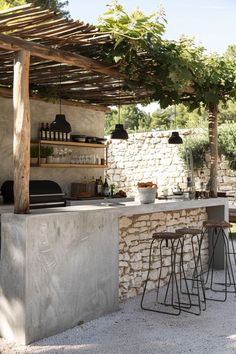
(39, 52)
(42, 53)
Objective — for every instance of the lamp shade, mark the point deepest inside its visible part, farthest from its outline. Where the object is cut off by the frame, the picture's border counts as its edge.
(60, 124)
(175, 138)
(119, 132)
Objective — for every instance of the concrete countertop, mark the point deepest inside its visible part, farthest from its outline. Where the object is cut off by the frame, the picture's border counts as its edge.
(4, 208)
(127, 208)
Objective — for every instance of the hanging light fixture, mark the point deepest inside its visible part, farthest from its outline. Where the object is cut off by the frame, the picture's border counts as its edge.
(175, 138)
(119, 132)
(60, 123)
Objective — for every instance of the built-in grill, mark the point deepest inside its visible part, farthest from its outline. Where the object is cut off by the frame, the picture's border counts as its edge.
(43, 194)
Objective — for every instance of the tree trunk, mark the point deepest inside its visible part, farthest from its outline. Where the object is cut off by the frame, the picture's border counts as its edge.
(21, 140)
(213, 113)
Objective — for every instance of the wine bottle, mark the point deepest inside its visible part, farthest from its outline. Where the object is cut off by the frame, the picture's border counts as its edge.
(47, 132)
(99, 186)
(106, 190)
(42, 132)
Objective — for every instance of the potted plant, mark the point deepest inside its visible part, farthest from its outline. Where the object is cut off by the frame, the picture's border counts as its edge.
(45, 151)
(34, 153)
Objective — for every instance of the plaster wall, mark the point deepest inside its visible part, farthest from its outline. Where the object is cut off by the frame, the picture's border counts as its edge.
(56, 271)
(82, 120)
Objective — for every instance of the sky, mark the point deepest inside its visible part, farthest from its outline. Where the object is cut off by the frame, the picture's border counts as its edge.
(210, 22)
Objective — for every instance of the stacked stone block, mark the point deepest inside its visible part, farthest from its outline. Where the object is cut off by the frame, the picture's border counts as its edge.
(135, 239)
(148, 156)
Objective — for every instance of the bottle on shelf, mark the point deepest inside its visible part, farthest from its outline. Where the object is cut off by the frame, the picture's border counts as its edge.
(42, 132)
(106, 190)
(99, 190)
(56, 136)
(47, 132)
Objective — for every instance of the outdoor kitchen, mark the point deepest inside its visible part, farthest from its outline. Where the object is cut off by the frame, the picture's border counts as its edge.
(75, 233)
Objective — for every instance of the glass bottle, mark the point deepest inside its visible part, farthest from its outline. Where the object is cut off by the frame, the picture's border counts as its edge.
(99, 186)
(47, 132)
(42, 133)
(106, 190)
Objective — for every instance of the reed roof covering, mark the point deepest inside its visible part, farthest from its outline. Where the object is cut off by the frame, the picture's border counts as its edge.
(44, 31)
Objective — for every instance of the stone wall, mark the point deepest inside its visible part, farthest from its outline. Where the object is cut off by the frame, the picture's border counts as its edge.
(148, 156)
(135, 239)
(83, 121)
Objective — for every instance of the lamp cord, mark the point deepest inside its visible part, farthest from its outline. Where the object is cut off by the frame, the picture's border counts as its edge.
(119, 102)
(175, 117)
(60, 89)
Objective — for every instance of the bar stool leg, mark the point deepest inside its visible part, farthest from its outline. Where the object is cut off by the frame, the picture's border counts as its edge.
(171, 294)
(196, 278)
(197, 294)
(232, 246)
(149, 269)
(218, 231)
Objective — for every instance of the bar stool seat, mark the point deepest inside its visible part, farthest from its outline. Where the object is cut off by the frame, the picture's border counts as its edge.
(190, 231)
(217, 223)
(169, 299)
(167, 235)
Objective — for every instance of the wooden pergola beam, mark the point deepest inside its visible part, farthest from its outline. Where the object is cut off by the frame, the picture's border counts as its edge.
(8, 93)
(15, 44)
(21, 139)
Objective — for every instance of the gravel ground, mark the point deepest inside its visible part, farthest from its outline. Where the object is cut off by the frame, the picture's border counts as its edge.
(134, 331)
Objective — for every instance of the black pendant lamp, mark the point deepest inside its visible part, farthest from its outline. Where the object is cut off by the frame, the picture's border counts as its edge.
(175, 138)
(60, 123)
(119, 132)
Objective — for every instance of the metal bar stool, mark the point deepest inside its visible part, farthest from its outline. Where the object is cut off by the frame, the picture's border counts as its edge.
(196, 275)
(217, 232)
(169, 295)
(232, 251)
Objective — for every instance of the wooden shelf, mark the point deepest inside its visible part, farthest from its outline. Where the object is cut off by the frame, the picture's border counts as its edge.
(70, 143)
(69, 165)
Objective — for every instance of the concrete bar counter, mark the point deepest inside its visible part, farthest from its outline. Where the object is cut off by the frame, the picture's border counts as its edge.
(59, 266)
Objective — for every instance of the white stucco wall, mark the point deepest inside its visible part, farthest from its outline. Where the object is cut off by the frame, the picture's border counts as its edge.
(83, 121)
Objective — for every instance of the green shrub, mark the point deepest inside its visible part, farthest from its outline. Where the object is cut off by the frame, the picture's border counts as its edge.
(227, 143)
(199, 145)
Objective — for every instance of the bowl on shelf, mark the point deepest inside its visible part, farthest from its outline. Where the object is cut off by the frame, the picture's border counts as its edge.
(178, 193)
(91, 139)
(78, 138)
(101, 140)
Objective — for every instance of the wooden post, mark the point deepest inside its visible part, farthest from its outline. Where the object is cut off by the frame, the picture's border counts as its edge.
(21, 140)
(213, 122)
